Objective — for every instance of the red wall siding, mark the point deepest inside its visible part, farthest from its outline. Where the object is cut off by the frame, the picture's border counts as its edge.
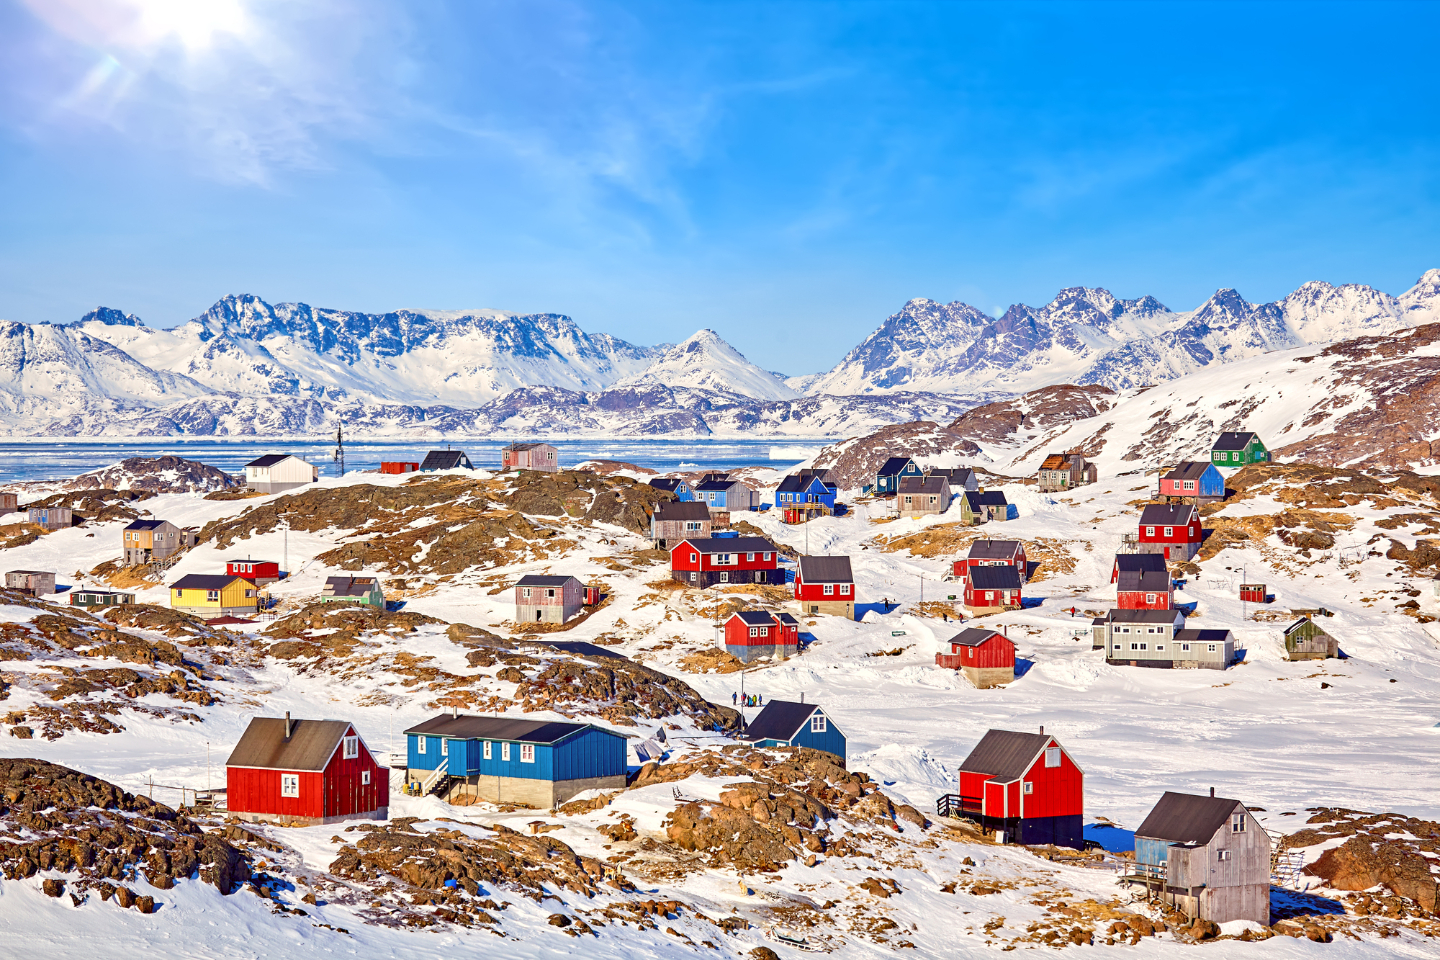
(975, 598)
(1135, 600)
(258, 791)
(972, 784)
(737, 631)
(1059, 791)
(995, 652)
(816, 591)
(994, 799)
(345, 795)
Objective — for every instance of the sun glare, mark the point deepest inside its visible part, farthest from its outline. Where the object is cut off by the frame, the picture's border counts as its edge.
(195, 23)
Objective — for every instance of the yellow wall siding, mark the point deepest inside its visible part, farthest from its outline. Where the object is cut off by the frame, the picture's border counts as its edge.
(232, 595)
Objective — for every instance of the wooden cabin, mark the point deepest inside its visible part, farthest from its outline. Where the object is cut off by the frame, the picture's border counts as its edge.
(262, 573)
(825, 585)
(959, 478)
(278, 472)
(1118, 629)
(350, 589)
(437, 460)
(751, 634)
(1025, 787)
(9, 502)
(807, 489)
(548, 599)
(1143, 583)
(538, 763)
(993, 553)
(36, 583)
(676, 485)
(530, 456)
(50, 518)
(304, 772)
(726, 496)
(147, 540)
(891, 472)
(674, 521)
(1254, 593)
(992, 590)
(1305, 640)
(1065, 471)
(1207, 857)
(922, 496)
(985, 657)
(83, 597)
(785, 723)
(1195, 481)
(702, 562)
(1237, 449)
(210, 596)
(1171, 530)
(982, 507)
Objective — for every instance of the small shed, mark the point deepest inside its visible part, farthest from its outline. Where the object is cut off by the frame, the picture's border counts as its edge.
(593, 594)
(530, 456)
(50, 518)
(1207, 857)
(445, 460)
(548, 599)
(99, 598)
(398, 466)
(37, 583)
(785, 723)
(986, 657)
(1253, 593)
(305, 772)
(278, 472)
(1025, 786)
(364, 590)
(977, 507)
(1305, 640)
(675, 520)
(825, 585)
(9, 502)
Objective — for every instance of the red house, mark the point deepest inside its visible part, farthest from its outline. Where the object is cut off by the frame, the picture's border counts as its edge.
(258, 572)
(398, 466)
(993, 553)
(750, 634)
(1024, 786)
(825, 585)
(706, 562)
(304, 772)
(1142, 582)
(1171, 530)
(992, 590)
(986, 657)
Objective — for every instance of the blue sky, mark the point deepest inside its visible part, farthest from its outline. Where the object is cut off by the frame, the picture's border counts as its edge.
(787, 174)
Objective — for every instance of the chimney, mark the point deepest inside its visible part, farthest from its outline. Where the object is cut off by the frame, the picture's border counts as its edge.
(802, 698)
(290, 727)
(1212, 791)
(1042, 729)
(455, 710)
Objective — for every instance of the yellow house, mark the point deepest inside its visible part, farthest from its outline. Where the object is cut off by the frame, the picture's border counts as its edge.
(210, 596)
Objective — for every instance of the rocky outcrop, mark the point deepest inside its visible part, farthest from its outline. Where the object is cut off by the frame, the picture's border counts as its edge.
(852, 463)
(165, 474)
(620, 691)
(1381, 849)
(98, 505)
(1033, 413)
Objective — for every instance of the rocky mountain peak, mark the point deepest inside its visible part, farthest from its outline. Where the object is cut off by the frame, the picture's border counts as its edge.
(112, 318)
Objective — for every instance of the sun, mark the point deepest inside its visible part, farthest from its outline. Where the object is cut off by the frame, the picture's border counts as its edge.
(195, 23)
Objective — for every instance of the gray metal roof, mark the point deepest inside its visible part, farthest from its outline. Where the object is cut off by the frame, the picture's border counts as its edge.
(311, 744)
(787, 619)
(985, 498)
(1145, 616)
(1167, 515)
(1186, 818)
(579, 648)
(144, 524)
(670, 484)
(269, 460)
(994, 578)
(206, 581)
(755, 618)
(892, 466)
(711, 485)
(1005, 755)
(1300, 623)
(1203, 636)
(826, 570)
(994, 549)
(1234, 440)
(731, 544)
(1139, 562)
(924, 485)
(676, 510)
(465, 727)
(780, 720)
(541, 580)
(1190, 470)
(974, 636)
(1148, 581)
(526, 446)
(444, 460)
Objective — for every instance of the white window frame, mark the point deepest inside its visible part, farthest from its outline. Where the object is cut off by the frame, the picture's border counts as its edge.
(364, 778)
(1237, 823)
(1052, 757)
(505, 750)
(769, 556)
(817, 723)
(844, 589)
(1029, 787)
(1149, 531)
(525, 592)
(829, 589)
(1169, 532)
(527, 753)
(290, 785)
(444, 747)
(485, 750)
(1134, 646)
(352, 748)
(754, 631)
(212, 596)
(749, 558)
(1185, 647)
(725, 576)
(1212, 648)
(420, 746)
(1222, 854)
(1149, 598)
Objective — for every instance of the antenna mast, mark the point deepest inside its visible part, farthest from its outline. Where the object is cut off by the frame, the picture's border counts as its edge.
(340, 448)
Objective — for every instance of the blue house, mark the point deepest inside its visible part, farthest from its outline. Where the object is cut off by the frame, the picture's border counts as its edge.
(541, 763)
(725, 494)
(784, 723)
(1197, 481)
(676, 485)
(887, 478)
(807, 486)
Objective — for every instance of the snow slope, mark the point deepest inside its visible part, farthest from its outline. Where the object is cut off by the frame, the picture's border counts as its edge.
(706, 362)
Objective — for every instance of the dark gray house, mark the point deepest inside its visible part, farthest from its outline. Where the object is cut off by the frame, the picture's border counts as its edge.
(675, 521)
(1208, 857)
(445, 460)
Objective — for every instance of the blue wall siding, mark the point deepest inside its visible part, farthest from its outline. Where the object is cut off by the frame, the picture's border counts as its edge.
(832, 740)
(1153, 852)
(592, 753)
(1212, 483)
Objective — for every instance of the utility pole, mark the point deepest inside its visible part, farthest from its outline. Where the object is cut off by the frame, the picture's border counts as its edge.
(340, 448)
(922, 594)
(287, 548)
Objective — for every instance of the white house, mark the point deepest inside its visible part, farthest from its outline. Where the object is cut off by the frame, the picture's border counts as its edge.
(276, 472)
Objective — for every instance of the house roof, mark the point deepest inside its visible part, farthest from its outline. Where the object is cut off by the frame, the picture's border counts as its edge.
(974, 636)
(985, 498)
(924, 484)
(206, 581)
(754, 618)
(466, 727)
(1233, 440)
(1056, 461)
(580, 648)
(144, 524)
(826, 570)
(251, 560)
(1005, 755)
(1144, 616)
(32, 573)
(892, 466)
(675, 510)
(955, 475)
(787, 619)
(1203, 636)
(541, 580)
(444, 460)
(348, 586)
(717, 484)
(994, 549)
(780, 720)
(1003, 577)
(1189, 470)
(670, 484)
(1186, 818)
(1139, 562)
(803, 480)
(1301, 622)
(1149, 581)
(270, 459)
(91, 590)
(729, 545)
(1167, 515)
(526, 446)
(311, 744)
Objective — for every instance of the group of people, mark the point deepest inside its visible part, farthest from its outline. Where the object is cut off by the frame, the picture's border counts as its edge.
(748, 700)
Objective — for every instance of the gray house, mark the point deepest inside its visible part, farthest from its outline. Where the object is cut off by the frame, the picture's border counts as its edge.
(548, 599)
(1118, 629)
(1304, 640)
(922, 496)
(1154, 638)
(1207, 857)
(37, 583)
(51, 518)
(675, 521)
(961, 479)
(147, 540)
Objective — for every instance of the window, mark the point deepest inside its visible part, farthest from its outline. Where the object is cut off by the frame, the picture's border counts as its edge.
(1189, 484)
(364, 778)
(844, 589)
(754, 631)
(1160, 647)
(970, 652)
(212, 595)
(1029, 787)
(829, 589)
(1117, 646)
(444, 747)
(550, 594)
(527, 753)
(504, 751)
(1144, 646)
(249, 594)
(691, 526)
(1185, 646)
(749, 558)
(352, 748)
(1149, 598)
(1237, 823)
(1212, 648)
(1134, 646)
(1052, 756)
(1149, 531)
(694, 577)
(1222, 854)
(420, 749)
(1169, 532)
(525, 591)
(289, 784)
(817, 723)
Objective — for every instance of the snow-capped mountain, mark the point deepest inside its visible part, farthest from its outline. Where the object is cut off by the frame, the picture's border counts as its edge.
(1087, 335)
(706, 362)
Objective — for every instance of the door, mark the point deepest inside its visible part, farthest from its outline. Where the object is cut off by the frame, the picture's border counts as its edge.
(539, 615)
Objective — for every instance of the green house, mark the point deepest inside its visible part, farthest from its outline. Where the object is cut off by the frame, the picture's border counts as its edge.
(365, 590)
(1238, 449)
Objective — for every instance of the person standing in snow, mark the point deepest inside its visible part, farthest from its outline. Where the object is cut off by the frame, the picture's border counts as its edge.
(734, 699)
